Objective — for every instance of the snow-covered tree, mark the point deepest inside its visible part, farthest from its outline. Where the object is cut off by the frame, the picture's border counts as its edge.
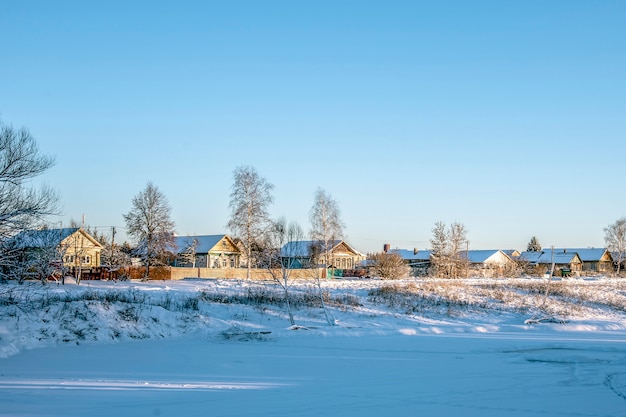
(36, 255)
(534, 245)
(458, 248)
(187, 254)
(439, 248)
(250, 198)
(22, 207)
(283, 247)
(447, 247)
(326, 224)
(389, 266)
(149, 223)
(114, 257)
(326, 228)
(615, 239)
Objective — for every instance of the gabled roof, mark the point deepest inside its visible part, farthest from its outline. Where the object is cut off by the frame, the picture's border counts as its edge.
(204, 245)
(47, 237)
(302, 248)
(547, 256)
(511, 252)
(585, 254)
(482, 256)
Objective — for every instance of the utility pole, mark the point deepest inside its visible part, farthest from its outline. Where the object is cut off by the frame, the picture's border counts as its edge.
(467, 259)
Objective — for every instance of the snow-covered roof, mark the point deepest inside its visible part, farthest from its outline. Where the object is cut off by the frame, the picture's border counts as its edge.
(547, 256)
(480, 256)
(585, 254)
(411, 255)
(41, 238)
(204, 245)
(302, 248)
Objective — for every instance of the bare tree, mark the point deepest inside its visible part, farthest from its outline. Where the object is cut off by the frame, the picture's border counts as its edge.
(36, 254)
(149, 222)
(285, 241)
(326, 224)
(615, 239)
(21, 207)
(389, 266)
(250, 198)
(458, 244)
(113, 257)
(187, 254)
(447, 246)
(326, 228)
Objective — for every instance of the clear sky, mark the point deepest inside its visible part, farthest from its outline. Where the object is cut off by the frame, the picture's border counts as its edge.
(506, 116)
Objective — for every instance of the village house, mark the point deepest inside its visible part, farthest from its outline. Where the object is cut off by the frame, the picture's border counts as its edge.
(206, 251)
(308, 253)
(593, 259)
(489, 263)
(417, 260)
(72, 248)
(540, 262)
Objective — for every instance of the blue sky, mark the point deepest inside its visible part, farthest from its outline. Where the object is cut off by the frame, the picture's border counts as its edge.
(508, 117)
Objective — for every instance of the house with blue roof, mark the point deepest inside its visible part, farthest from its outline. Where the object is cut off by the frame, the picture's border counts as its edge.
(206, 251)
(489, 263)
(418, 260)
(593, 259)
(540, 262)
(74, 247)
(308, 253)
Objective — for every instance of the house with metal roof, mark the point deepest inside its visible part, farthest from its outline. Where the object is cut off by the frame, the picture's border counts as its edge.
(540, 262)
(74, 247)
(488, 263)
(309, 253)
(418, 260)
(53, 253)
(593, 259)
(206, 251)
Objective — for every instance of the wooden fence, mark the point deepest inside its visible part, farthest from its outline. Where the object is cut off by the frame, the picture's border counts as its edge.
(177, 273)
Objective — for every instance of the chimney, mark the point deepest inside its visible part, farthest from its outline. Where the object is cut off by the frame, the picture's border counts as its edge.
(386, 247)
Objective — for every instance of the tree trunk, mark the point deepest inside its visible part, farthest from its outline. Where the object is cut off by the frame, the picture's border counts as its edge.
(291, 319)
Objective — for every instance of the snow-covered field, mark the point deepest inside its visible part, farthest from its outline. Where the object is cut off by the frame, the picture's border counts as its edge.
(519, 347)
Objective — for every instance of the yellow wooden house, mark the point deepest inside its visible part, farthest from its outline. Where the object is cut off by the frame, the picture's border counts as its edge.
(71, 246)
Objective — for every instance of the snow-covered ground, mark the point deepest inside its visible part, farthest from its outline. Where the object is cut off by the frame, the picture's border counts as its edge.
(518, 347)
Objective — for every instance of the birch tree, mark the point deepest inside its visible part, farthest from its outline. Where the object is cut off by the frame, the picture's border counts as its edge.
(250, 198)
(149, 223)
(285, 241)
(326, 228)
(615, 239)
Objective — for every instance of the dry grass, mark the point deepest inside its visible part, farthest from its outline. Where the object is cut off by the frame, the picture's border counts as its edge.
(565, 298)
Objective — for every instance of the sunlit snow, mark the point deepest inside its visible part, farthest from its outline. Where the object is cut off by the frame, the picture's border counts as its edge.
(192, 347)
